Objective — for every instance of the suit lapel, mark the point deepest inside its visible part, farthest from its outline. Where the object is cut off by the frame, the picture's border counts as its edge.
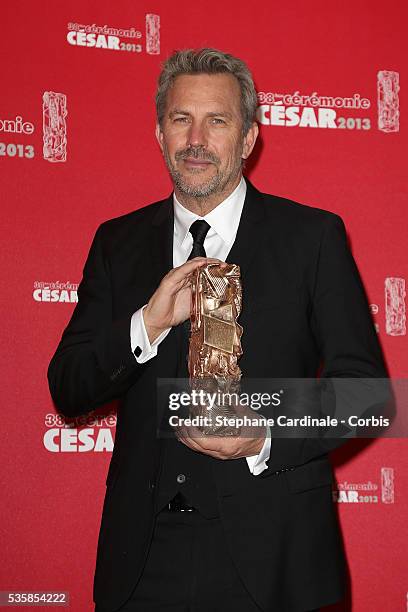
(162, 263)
(249, 229)
(162, 239)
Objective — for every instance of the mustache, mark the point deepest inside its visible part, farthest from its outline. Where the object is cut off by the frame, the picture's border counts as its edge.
(197, 152)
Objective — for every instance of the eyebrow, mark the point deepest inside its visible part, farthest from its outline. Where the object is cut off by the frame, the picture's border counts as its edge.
(211, 114)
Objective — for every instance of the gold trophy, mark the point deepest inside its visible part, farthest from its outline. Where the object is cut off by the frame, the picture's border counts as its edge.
(215, 344)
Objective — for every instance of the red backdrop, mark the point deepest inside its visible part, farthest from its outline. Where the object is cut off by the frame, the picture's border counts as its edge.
(332, 136)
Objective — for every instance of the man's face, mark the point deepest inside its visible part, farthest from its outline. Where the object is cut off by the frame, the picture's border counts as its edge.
(201, 134)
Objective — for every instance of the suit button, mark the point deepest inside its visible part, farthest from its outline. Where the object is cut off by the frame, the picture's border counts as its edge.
(181, 478)
(151, 486)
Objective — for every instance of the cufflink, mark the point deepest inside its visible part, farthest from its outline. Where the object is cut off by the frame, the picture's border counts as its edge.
(137, 352)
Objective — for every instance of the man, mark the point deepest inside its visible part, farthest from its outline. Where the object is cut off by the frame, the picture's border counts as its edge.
(213, 523)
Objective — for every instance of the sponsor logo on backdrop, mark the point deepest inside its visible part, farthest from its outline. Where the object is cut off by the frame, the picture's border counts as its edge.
(395, 308)
(54, 126)
(89, 433)
(388, 100)
(328, 111)
(54, 112)
(367, 492)
(395, 313)
(16, 126)
(55, 291)
(117, 39)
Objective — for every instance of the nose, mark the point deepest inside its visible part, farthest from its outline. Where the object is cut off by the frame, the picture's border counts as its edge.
(197, 134)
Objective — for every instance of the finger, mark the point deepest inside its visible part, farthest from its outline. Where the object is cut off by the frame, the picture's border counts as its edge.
(187, 441)
(191, 443)
(184, 435)
(208, 440)
(179, 432)
(187, 268)
(205, 442)
(207, 445)
(209, 260)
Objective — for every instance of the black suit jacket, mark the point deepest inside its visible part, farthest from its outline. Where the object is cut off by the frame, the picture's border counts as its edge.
(304, 307)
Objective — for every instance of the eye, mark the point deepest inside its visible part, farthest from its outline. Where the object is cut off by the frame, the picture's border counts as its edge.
(180, 119)
(217, 121)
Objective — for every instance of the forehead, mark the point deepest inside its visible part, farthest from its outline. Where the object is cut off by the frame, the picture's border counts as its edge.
(210, 91)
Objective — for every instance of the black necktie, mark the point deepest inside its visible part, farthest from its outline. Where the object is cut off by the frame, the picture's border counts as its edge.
(198, 230)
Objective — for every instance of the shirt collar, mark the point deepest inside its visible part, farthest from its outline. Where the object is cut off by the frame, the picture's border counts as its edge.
(224, 218)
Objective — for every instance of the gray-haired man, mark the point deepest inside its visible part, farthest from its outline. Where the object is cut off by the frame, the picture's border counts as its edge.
(197, 523)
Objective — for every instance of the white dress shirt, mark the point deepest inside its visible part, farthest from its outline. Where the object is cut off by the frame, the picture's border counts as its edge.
(223, 220)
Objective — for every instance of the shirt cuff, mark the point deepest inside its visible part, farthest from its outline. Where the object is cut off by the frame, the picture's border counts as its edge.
(139, 340)
(257, 463)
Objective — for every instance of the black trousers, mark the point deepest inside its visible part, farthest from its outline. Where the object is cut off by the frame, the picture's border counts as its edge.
(189, 569)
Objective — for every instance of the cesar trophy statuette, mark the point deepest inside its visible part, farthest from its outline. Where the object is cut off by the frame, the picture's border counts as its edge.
(215, 343)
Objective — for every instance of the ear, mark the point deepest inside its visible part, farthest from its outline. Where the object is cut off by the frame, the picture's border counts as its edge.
(159, 136)
(250, 140)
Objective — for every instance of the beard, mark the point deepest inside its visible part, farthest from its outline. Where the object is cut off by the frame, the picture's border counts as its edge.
(199, 190)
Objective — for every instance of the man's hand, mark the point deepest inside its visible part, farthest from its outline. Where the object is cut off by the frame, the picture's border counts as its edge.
(171, 302)
(248, 443)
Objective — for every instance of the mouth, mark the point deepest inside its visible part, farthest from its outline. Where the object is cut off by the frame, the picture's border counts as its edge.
(191, 162)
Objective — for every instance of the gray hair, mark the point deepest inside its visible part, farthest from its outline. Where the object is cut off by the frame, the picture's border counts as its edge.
(208, 61)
